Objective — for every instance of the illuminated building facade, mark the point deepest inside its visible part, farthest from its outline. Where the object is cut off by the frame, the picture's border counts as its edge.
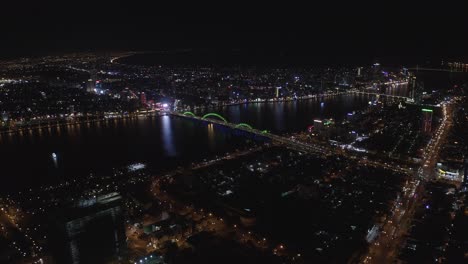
(415, 88)
(465, 174)
(92, 231)
(318, 125)
(143, 99)
(427, 120)
(90, 86)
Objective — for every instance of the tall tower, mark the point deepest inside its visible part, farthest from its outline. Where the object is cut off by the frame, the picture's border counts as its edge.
(91, 84)
(143, 99)
(465, 175)
(5, 116)
(426, 120)
(412, 86)
(277, 91)
(416, 88)
(98, 85)
(405, 71)
(375, 71)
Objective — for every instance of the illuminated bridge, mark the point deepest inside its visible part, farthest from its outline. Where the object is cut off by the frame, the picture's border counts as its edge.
(220, 120)
(365, 91)
(438, 69)
(215, 118)
(382, 94)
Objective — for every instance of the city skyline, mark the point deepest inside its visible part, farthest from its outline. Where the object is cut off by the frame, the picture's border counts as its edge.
(151, 134)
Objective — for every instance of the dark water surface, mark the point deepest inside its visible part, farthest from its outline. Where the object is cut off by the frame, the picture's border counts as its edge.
(162, 142)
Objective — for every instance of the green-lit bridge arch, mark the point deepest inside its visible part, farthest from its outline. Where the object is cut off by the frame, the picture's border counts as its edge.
(244, 125)
(190, 114)
(215, 115)
(240, 125)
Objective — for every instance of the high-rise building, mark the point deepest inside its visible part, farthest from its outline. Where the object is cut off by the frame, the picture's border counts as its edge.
(405, 71)
(416, 88)
(318, 125)
(143, 99)
(91, 231)
(98, 85)
(465, 175)
(278, 91)
(5, 116)
(376, 68)
(90, 86)
(412, 86)
(426, 120)
(359, 69)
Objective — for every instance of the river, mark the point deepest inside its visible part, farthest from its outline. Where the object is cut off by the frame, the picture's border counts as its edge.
(163, 142)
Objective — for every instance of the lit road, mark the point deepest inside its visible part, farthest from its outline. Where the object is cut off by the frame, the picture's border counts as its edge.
(431, 152)
(380, 94)
(21, 242)
(386, 247)
(303, 146)
(392, 230)
(208, 221)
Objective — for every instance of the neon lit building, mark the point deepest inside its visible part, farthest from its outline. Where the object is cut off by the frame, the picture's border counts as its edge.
(143, 99)
(453, 175)
(318, 125)
(427, 120)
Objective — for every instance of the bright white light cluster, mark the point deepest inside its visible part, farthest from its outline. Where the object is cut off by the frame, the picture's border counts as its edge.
(136, 166)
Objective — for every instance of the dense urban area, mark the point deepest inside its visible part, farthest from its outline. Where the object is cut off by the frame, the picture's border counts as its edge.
(385, 182)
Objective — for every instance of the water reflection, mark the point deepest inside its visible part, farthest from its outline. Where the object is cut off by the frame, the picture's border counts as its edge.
(279, 115)
(168, 137)
(211, 137)
(294, 116)
(98, 146)
(54, 159)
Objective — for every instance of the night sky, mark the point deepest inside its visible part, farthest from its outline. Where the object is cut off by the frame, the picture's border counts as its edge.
(337, 32)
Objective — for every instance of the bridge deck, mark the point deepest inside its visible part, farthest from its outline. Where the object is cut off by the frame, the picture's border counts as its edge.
(301, 146)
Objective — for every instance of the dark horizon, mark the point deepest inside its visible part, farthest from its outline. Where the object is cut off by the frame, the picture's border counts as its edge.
(401, 34)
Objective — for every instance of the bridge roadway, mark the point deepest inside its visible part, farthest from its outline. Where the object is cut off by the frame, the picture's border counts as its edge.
(305, 147)
(380, 94)
(438, 69)
(283, 140)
